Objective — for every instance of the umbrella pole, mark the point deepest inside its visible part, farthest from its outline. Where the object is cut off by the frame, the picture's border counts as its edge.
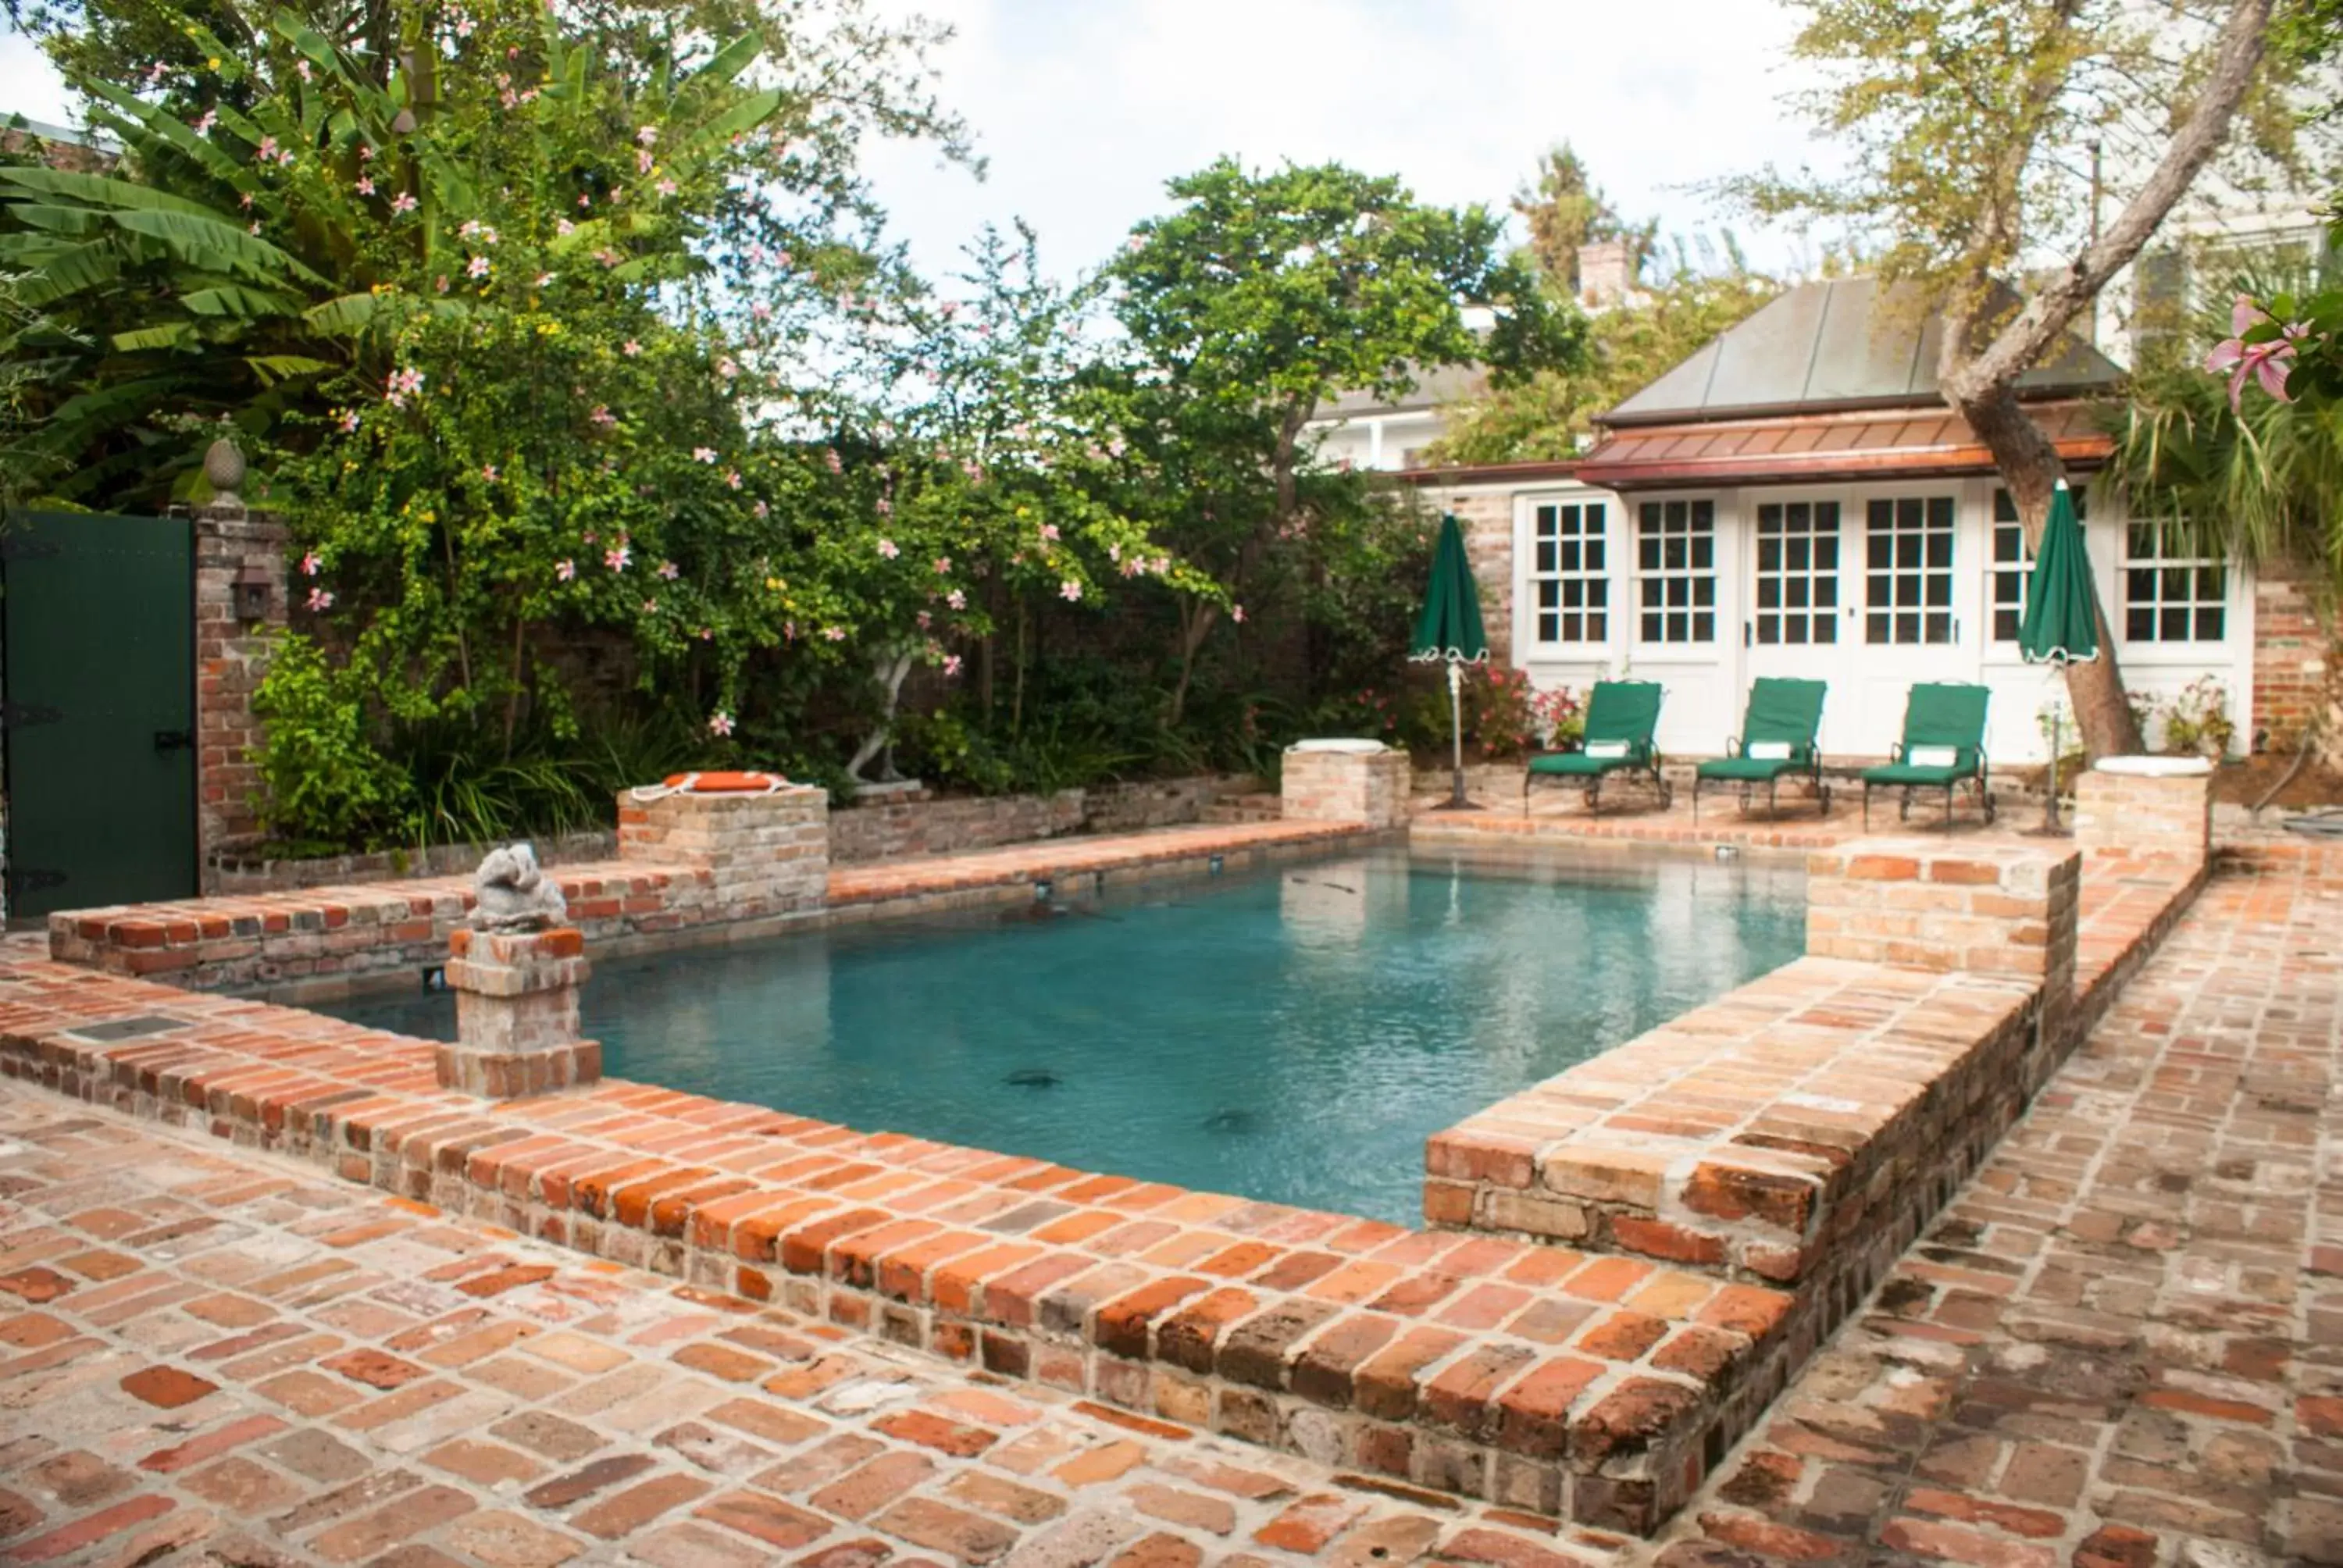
(2050, 813)
(1456, 733)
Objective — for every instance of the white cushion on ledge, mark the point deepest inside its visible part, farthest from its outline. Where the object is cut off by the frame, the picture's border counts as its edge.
(2156, 767)
(1348, 748)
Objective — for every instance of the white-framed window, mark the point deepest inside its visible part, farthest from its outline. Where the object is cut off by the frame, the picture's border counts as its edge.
(2172, 593)
(1676, 572)
(1797, 574)
(2013, 563)
(1570, 571)
(1908, 570)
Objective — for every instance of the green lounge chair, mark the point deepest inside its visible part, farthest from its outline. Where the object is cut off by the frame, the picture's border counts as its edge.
(1620, 718)
(1778, 739)
(1942, 747)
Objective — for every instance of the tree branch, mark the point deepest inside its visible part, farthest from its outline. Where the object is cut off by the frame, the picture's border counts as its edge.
(2032, 331)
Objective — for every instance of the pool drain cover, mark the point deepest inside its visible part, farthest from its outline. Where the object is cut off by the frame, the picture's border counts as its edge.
(127, 1027)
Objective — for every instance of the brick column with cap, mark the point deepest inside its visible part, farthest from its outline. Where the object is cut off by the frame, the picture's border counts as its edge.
(516, 1014)
(239, 568)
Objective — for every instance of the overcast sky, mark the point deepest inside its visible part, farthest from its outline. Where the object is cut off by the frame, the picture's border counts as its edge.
(1085, 107)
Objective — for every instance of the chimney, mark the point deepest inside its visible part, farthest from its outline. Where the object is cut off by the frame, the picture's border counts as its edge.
(1604, 272)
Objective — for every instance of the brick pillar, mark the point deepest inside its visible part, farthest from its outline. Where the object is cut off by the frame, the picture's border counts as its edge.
(1369, 787)
(231, 657)
(516, 1014)
(763, 855)
(2135, 814)
(1923, 903)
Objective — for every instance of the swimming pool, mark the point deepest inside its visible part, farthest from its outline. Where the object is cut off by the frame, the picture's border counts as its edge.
(1292, 1033)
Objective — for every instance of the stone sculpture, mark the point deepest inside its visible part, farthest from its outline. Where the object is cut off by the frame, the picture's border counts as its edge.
(515, 894)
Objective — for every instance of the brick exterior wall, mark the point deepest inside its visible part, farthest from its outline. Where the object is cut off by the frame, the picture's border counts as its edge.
(2293, 658)
(1371, 788)
(2123, 814)
(1486, 518)
(231, 657)
(761, 855)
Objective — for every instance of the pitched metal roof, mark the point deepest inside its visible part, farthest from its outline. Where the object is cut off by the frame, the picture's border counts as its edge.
(1831, 446)
(1835, 343)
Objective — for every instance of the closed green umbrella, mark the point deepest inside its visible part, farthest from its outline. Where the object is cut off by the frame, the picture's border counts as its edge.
(2061, 624)
(1449, 631)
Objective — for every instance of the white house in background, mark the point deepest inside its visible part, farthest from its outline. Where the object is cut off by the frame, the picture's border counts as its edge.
(1795, 499)
(1364, 431)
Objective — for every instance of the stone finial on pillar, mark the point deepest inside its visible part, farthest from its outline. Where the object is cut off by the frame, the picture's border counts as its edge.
(516, 975)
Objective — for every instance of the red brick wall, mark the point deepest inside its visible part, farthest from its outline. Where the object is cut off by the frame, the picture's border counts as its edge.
(2292, 654)
(231, 657)
(1487, 518)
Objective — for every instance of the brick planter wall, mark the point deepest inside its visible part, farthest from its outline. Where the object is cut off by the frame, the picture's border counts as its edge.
(233, 874)
(1369, 787)
(761, 855)
(886, 829)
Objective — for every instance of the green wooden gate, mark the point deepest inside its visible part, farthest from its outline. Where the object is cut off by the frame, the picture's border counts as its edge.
(97, 630)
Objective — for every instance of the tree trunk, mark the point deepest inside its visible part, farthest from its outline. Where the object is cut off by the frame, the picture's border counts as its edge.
(891, 670)
(2030, 466)
(1196, 623)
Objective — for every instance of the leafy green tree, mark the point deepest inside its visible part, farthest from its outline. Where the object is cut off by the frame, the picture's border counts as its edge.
(1565, 211)
(1262, 296)
(1968, 126)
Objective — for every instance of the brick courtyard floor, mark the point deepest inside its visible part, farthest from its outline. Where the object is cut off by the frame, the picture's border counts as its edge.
(2121, 1346)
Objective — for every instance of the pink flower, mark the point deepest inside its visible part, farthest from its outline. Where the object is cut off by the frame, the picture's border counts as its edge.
(720, 723)
(888, 549)
(350, 419)
(2265, 362)
(669, 570)
(617, 558)
(924, 619)
(943, 566)
(1050, 533)
(667, 187)
(732, 477)
(957, 600)
(403, 203)
(1070, 590)
(646, 136)
(761, 311)
(762, 510)
(602, 415)
(834, 633)
(703, 453)
(443, 283)
(542, 279)
(477, 267)
(310, 564)
(320, 600)
(583, 200)
(708, 634)
(563, 571)
(643, 162)
(204, 126)
(255, 227)
(727, 369)
(562, 225)
(268, 147)
(631, 348)
(488, 472)
(829, 457)
(1237, 615)
(650, 606)
(365, 186)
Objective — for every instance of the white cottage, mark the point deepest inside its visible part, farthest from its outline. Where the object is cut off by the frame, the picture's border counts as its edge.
(1795, 499)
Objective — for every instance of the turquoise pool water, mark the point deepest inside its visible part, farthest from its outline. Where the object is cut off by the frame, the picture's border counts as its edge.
(1292, 1033)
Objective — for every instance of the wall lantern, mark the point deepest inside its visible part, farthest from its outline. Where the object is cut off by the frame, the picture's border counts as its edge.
(251, 589)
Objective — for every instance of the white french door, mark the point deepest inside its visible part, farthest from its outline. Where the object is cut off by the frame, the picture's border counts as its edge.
(1910, 624)
(1797, 625)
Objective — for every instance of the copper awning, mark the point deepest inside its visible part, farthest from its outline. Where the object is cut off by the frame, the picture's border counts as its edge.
(1921, 442)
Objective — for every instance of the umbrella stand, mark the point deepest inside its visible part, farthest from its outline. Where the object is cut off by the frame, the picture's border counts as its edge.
(1456, 800)
(2050, 810)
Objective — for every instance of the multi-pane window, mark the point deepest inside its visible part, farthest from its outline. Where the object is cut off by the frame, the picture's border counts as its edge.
(1676, 572)
(1570, 572)
(1908, 570)
(2171, 592)
(2013, 563)
(1797, 572)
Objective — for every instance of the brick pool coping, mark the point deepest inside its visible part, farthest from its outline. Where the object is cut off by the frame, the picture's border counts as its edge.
(1594, 1388)
(317, 942)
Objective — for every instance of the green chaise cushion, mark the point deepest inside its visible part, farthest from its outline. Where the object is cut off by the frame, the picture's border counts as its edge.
(1757, 769)
(1579, 765)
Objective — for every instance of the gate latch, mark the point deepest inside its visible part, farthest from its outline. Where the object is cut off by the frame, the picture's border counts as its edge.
(174, 740)
(23, 715)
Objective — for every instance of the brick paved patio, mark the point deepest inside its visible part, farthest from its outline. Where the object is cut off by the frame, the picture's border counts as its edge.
(2121, 1345)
